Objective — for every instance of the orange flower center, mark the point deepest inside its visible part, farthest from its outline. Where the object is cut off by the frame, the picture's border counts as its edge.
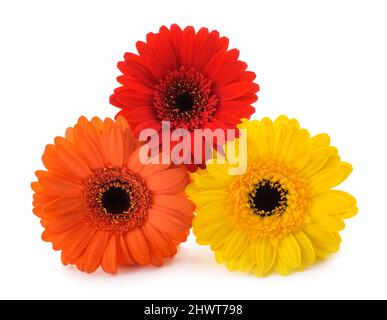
(185, 98)
(116, 200)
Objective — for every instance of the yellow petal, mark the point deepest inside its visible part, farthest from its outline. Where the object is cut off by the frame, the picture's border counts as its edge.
(298, 146)
(221, 235)
(323, 250)
(219, 256)
(282, 267)
(192, 189)
(207, 232)
(332, 202)
(204, 197)
(327, 222)
(235, 244)
(294, 123)
(321, 140)
(245, 263)
(252, 138)
(332, 162)
(330, 178)
(282, 119)
(290, 252)
(264, 254)
(265, 136)
(348, 213)
(283, 150)
(279, 135)
(307, 251)
(208, 182)
(319, 236)
(232, 265)
(210, 217)
(302, 160)
(213, 209)
(220, 172)
(317, 160)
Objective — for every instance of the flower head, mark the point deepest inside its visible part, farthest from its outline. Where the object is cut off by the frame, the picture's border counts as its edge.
(188, 78)
(101, 206)
(282, 214)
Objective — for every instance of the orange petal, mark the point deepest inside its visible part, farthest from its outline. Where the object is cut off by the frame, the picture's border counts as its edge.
(137, 247)
(166, 247)
(90, 152)
(129, 142)
(165, 222)
(63, 205)
(65, 260)
(174, 202)
(185, 218)
(96, 137)
(35, 186)
(151, 169)
(168, 181)
(109, 260)
(155, 254)
(116, 147)
(91, 258)
(124, 257)
(54, 164)
(97, 123)
(178, 237)
(80, 240)
(60, 240)
(63, 222)
(134, 162)
(71, 159)
(60, 187)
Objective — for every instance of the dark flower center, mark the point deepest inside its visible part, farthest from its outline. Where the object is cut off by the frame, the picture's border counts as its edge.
(185, 98)
(268, 198)
(185, 101)
(116, 200)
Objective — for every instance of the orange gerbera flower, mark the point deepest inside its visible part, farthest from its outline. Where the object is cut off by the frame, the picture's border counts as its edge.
(103, 207)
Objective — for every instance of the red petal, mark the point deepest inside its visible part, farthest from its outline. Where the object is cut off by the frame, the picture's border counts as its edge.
(229, 73)
(246, 76)
(138, 71)
(237, 108)
(187, 47)
(134, 99)
(175, 35)
(154, 124)
(134, 84)
(141, 114)
(236, 90)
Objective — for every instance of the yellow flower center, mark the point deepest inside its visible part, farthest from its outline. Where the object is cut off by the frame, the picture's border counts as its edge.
(270, 200)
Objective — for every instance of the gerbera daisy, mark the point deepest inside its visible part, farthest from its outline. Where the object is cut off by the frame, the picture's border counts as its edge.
(102, 207)
(281, 214)
(188, 78)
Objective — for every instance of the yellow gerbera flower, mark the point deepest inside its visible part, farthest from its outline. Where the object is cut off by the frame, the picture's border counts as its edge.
(281, 214)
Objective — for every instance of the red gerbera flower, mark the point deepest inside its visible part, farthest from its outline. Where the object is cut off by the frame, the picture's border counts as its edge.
(188, 78)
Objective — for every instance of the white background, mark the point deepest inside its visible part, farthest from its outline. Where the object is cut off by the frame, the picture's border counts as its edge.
(323, 62)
